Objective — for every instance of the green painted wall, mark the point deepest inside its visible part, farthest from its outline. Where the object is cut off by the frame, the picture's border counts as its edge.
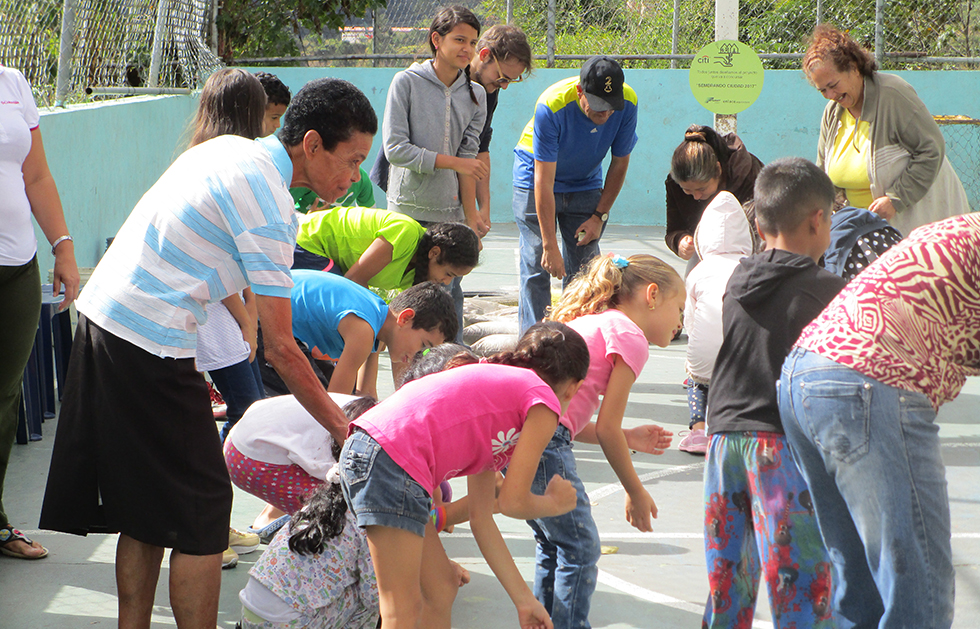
(104, 157)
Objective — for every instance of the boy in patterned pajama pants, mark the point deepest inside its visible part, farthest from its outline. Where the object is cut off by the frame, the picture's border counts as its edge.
(759, 520)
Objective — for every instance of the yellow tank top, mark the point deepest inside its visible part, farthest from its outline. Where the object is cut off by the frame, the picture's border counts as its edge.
(848, 165)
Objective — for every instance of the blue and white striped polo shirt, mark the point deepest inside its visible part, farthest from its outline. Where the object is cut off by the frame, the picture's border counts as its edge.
(219, 219)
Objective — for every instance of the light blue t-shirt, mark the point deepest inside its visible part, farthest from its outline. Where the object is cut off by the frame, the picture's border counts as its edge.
(320, 300)
(560, 132)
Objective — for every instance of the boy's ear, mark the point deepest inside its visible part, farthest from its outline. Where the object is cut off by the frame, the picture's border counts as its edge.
(434, 252)
(817, 219)
(405, 317)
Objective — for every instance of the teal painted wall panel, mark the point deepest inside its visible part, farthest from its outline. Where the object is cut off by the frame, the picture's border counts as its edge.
(104, 157)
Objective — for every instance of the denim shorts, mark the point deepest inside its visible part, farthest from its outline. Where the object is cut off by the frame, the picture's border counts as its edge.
(378, 491)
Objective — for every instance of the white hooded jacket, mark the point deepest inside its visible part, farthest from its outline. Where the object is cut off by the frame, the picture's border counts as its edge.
(722, 238)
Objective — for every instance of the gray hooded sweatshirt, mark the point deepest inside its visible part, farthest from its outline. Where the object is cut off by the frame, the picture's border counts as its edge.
(424, 118)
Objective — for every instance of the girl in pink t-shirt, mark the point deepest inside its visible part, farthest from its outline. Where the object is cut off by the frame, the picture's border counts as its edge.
(619, 306)
(471, 420)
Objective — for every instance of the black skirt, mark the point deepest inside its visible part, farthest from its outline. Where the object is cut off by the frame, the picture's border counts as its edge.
(136, 450)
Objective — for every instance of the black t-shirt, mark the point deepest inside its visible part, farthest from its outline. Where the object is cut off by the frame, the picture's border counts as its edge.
(770, 298)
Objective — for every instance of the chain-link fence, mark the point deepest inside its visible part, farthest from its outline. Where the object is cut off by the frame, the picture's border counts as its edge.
(111, 47)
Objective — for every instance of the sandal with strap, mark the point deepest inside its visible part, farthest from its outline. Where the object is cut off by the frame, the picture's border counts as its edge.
(8, 535)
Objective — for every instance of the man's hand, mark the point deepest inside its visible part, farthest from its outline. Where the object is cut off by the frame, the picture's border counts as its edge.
(552, 262)
(588, 231)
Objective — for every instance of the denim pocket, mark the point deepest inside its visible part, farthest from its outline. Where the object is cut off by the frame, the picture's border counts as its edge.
(358, 459)
(838, 415)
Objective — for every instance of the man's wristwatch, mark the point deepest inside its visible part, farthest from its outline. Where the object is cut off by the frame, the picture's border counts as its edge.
(601, 216)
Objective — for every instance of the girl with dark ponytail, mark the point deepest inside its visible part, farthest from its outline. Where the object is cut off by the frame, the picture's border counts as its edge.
(473, 419)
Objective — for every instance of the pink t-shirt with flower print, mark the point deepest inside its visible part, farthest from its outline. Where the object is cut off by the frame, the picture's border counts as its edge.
(457, 422)
(911, 320)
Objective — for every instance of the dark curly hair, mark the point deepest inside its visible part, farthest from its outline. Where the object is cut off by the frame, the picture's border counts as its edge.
(554, 351)
(276, 91)
(458, 245)
(333, 108)
(322, 517)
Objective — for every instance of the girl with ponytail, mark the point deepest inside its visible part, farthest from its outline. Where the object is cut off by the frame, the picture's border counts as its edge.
(619, 306)
(473, 419)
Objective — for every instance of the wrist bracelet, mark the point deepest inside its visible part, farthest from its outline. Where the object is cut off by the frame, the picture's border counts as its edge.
(57, 242)
(438, 517)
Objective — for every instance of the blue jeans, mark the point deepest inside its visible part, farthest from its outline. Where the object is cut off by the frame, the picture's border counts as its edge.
(571, 210)
(870, 454)
(568, 548)
(240, 385)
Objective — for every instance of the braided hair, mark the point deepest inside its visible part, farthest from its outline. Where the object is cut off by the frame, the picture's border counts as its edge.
(446, 20)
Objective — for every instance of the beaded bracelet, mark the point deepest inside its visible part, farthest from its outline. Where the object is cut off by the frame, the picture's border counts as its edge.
(438, 517)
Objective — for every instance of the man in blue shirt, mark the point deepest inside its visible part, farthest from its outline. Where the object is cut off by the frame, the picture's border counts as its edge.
(558, 177)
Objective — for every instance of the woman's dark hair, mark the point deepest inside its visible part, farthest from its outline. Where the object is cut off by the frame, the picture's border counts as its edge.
(333, 108)
(446, 20)
(554, 351)
(828, 43)
(696, 159)
(458, 245)
(232, 102)
(433, 360)
(322, 517)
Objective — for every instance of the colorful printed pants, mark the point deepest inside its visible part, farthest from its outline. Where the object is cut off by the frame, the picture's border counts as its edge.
(759, 521)
(282, 486)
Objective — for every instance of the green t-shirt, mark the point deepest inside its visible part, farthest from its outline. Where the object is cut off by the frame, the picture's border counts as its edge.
(343, 234)
(360, 193)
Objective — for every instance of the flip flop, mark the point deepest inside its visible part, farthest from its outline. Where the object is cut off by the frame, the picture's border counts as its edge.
(9, 534)
(267, 532)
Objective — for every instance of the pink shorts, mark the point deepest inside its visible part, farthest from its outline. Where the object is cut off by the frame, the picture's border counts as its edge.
(282, 486)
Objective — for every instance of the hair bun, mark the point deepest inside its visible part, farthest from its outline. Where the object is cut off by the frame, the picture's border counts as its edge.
(694, 136)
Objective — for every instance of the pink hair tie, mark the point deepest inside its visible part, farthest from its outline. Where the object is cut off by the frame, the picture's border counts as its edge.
(484, 361)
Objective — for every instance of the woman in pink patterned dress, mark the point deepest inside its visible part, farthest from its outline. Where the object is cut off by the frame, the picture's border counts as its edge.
(858, 399)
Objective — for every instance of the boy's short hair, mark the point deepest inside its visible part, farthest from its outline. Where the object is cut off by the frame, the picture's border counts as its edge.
(433, 306)
(333, 108)
(789, 190)
(276, 92)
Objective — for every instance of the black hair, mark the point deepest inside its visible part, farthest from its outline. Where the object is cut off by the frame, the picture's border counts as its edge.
(458, 245)
(554, 351)
(448, 18)
(232, 102)
(789, 190)
(322, 517)
(276, 91)
(433, 360)
(333, 108)
(433, 306)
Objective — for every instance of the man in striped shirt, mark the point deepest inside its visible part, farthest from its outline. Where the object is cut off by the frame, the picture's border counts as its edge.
(136, 450)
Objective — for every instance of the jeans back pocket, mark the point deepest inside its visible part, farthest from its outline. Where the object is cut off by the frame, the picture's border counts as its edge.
(358, 457)
(837, 415)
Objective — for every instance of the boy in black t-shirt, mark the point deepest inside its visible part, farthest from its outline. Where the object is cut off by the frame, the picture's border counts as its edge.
(758, 515)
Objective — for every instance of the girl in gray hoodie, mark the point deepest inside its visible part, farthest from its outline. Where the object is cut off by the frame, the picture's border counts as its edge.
(432, 123)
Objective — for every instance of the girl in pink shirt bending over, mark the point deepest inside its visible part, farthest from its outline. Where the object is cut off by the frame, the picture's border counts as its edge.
(471, 420)
(619, 306)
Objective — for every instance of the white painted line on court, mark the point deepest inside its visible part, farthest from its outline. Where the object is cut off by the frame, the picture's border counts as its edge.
(608, 490)
(660, 599)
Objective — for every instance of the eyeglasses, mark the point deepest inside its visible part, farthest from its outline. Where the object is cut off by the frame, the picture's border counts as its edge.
(504, 79)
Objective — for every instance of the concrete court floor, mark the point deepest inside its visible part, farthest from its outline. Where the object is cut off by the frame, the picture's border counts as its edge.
(650, 580)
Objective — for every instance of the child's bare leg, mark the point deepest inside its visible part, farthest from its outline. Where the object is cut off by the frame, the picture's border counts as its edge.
(440, 582)
(269, 515)
(397, 557)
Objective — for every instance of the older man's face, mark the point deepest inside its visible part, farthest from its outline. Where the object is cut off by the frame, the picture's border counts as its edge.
(331, 172)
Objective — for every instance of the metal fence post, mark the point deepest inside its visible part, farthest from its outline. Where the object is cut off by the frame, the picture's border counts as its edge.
(510, 11)
(551, 33)
(879, 31)
(66, 48)
(726, 27)
(819, 12)
(157, 57)
(674, 30)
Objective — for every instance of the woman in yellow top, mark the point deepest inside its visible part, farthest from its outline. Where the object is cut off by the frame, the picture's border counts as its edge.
(878, 142)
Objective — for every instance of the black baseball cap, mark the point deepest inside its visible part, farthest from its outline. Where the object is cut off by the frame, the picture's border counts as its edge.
(602, 81)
